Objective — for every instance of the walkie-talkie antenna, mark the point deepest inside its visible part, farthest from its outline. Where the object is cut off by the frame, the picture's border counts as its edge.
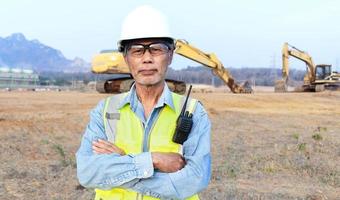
(186, 100)
(183, 124)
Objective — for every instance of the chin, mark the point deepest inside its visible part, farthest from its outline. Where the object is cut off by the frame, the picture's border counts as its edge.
(149, 83)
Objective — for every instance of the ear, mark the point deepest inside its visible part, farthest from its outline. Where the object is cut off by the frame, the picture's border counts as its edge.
(127, 62)
(125, 58)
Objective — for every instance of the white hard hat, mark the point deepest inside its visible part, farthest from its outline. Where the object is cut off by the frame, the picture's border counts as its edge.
(144, 22)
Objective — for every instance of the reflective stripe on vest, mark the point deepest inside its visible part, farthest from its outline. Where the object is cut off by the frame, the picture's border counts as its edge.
(124, 128)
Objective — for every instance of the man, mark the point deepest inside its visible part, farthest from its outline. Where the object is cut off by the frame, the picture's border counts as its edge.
(127, 150)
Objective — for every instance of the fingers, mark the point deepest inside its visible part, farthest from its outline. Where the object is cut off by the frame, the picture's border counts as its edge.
(101, 147)
(99, 150)
(106, 147)
(180, 163)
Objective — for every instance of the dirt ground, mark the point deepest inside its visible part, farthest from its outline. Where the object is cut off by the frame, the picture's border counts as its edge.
(264, 145)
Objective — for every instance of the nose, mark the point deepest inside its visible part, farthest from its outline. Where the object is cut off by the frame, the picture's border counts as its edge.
(147, 57)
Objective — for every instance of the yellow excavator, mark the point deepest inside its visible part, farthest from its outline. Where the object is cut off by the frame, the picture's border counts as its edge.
(317, 77)
(112, 62)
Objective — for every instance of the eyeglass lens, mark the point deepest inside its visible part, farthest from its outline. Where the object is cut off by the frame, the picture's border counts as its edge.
(155, 49)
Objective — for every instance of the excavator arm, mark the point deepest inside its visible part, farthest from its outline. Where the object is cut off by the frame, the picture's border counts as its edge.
(210, 60)
(287, 51)
(301, 55)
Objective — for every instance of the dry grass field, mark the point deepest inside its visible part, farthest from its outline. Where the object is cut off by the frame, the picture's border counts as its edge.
(264, 145)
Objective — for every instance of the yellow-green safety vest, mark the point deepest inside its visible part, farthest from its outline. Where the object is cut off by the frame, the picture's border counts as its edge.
(124, 129)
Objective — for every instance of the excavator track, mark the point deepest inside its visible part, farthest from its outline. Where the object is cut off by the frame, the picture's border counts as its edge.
(123, 84)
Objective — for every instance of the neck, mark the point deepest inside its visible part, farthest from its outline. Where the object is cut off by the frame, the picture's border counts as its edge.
(149, 95)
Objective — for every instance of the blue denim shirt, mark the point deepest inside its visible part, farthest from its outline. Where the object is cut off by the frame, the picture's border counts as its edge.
(136, 172)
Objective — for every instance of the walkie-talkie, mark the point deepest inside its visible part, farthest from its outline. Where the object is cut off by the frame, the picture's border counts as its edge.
(184, 123)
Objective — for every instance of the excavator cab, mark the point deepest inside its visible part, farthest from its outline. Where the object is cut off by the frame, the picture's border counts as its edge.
(322, 71)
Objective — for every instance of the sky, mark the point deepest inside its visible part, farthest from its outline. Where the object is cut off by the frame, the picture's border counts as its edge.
(242, 33)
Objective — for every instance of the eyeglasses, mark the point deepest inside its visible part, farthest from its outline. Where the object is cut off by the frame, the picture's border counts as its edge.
(155, 49)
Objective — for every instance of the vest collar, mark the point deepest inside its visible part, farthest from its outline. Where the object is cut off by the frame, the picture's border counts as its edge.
(164, 99)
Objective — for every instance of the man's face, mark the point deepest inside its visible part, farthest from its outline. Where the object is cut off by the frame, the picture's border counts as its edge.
(148, 60)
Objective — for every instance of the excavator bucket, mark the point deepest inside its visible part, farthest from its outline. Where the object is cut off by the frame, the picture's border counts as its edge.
(280, 86)
(247, 87)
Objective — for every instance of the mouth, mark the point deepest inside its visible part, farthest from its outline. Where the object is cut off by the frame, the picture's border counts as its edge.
(147, 72)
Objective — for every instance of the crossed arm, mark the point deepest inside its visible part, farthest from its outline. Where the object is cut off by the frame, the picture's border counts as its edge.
(163, 162)
(103, 165)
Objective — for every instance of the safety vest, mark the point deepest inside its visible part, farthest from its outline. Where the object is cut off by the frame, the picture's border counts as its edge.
(124, 129)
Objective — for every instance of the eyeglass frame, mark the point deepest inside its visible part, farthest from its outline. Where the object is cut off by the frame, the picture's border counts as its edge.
(147, 47)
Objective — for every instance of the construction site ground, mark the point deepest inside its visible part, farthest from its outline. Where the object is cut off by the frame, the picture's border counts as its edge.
(264, 145)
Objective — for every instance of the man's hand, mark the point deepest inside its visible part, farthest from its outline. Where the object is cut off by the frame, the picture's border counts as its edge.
(106, 147)
(167, 162)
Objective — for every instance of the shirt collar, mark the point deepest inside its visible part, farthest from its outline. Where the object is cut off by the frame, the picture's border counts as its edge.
(165, 98)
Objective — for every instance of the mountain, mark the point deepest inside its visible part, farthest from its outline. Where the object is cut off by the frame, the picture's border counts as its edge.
(18, 52)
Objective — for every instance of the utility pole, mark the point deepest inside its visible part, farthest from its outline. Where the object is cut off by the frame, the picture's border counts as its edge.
(274, 65)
